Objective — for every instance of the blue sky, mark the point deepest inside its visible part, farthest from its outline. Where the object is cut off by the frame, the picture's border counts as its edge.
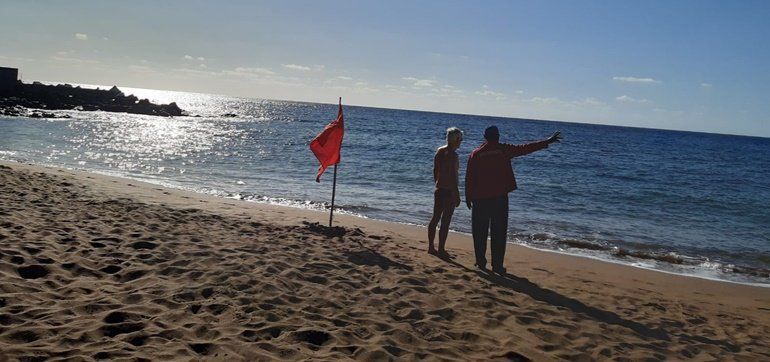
(689, 65)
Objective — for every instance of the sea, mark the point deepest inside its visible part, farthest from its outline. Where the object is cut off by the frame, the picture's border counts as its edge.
(689, 203)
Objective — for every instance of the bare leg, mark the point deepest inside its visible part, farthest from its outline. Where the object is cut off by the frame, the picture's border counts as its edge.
(432, 232)
(446, 219)
(437, 211)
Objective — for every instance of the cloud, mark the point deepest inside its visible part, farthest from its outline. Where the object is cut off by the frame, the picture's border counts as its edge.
(74, 60)
(420, 83)
(257, 70)
(544, 100)
(195, 72)
(706, 85)
(635, 80)
(448, 91)
(193, 58)
(141, 69)
(488, 93)
(342, 77)
(590, 102)
(81, 36)
(627, 99)
(72, 57)
(250, 71)
(297, 67)
(202, 66)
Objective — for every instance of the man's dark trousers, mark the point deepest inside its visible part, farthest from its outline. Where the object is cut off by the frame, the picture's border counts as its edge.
(490, 214)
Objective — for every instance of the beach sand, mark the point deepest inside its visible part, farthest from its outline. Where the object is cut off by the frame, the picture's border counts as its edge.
(95, 267)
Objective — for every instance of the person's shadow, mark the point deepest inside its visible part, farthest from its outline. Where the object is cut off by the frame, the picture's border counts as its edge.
(524, 286)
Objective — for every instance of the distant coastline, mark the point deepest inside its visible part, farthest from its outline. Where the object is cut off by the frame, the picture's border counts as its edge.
(34, 100)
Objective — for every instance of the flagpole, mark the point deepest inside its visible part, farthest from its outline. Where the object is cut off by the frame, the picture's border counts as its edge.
(334, 190)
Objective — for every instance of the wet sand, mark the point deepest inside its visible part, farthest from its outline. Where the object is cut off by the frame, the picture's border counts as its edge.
(95, 267)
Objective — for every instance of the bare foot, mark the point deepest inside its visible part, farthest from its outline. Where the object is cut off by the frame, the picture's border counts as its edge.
(444, 254)
(432, 251)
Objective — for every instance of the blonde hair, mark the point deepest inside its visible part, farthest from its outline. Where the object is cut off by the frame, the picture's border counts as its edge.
(453, 133)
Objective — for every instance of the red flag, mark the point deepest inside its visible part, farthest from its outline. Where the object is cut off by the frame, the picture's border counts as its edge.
(326, 146)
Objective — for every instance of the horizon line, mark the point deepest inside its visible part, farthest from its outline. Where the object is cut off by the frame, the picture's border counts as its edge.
(428, 111)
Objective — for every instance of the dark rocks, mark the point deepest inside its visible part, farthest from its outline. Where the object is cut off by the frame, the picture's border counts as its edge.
(37, 96)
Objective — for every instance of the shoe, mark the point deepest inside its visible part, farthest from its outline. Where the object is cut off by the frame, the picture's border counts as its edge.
(499, 270)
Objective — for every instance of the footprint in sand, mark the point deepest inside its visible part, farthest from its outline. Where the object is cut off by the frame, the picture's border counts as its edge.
(32, 271)
(144, 245)
(111, 269)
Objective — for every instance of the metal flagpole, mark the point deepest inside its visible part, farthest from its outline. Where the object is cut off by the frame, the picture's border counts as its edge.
(334, 190)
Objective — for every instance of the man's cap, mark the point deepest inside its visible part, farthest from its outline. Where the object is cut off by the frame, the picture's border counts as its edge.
(492, 132)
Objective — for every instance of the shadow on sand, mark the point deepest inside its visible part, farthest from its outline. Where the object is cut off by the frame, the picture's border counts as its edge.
(373, 258)
(524, 286)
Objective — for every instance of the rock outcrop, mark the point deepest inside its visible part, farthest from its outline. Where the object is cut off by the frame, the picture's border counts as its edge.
(42, 97)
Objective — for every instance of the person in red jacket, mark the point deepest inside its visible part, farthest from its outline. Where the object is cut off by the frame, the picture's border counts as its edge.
(488, 180)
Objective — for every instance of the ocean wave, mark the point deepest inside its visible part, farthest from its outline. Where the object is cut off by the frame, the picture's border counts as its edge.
(648, 256)
(355, 210)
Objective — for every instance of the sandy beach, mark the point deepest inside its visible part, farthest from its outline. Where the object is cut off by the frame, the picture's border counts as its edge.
(96, 267)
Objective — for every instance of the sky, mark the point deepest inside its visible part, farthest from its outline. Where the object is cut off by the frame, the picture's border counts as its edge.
(686, 65)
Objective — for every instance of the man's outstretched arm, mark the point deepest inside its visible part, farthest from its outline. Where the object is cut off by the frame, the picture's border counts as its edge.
(527, 148)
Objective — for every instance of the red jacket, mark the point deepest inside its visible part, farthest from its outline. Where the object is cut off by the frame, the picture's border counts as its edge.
(489, 173)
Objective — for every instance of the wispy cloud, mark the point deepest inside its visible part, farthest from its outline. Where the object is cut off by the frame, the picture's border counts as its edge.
(584, 103)
(342, 77)
(251, 71)
(489, 93)
(252, 74)
(544, 100)
(65, 57)
(627, 99)
(420, 83)
(141, 69)
(635, 80)
(449, 91)
(302, 68)
(706, 85)
(486, 92)
(81, 36)
(189, 57)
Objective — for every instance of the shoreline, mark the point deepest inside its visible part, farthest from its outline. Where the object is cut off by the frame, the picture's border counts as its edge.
(456, 240)
(604, 255)
(96, 266)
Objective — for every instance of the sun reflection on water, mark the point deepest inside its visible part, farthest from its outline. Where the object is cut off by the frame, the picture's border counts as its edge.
(131, 142)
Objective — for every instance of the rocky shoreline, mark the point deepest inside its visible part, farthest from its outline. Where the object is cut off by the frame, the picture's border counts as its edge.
(36, 100)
